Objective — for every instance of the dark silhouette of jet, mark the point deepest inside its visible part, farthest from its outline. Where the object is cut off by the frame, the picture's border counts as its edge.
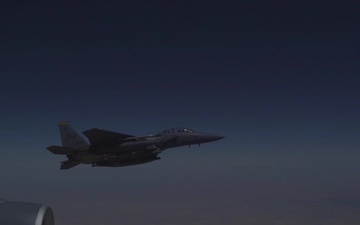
(112, 149)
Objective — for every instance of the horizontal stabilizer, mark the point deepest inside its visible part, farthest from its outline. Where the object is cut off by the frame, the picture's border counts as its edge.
(60, 150)
(68, 164)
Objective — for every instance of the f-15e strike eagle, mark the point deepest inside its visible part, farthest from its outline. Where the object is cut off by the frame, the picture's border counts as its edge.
(111, 149)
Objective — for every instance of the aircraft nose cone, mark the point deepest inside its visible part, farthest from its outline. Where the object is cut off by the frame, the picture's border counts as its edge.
(217, 137)
(213, 137)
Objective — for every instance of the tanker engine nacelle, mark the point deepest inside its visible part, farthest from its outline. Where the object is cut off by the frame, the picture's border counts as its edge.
(25, 213)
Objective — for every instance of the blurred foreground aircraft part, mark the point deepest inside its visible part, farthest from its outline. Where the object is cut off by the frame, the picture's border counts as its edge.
(25, 213)
(112, 149)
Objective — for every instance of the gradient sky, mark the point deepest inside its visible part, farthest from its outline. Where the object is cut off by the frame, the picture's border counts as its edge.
(278, 79)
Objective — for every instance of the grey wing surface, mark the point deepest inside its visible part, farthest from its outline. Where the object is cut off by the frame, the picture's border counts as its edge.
(99, 137)
(68, 164)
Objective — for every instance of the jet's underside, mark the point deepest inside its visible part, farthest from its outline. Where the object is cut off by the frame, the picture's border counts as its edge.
(126, 162)
(124, 158)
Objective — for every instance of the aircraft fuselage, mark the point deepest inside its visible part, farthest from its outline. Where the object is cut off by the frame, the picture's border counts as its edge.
(113, 149)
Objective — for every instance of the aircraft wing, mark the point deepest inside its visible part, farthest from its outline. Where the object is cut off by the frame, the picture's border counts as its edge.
(68, 164)
(139, 138)
(99, 137)
(61, 150)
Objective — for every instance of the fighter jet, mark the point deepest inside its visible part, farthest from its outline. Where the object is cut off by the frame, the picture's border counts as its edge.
(112, 149)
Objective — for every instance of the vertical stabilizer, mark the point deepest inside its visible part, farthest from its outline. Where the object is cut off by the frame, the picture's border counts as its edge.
(70, 138)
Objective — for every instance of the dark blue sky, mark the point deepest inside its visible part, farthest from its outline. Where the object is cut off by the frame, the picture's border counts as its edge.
(278, 79)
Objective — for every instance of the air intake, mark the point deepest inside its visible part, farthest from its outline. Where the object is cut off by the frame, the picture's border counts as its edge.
(24, 213)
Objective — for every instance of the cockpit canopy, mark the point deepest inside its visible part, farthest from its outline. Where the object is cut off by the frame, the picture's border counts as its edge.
(177, 130)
